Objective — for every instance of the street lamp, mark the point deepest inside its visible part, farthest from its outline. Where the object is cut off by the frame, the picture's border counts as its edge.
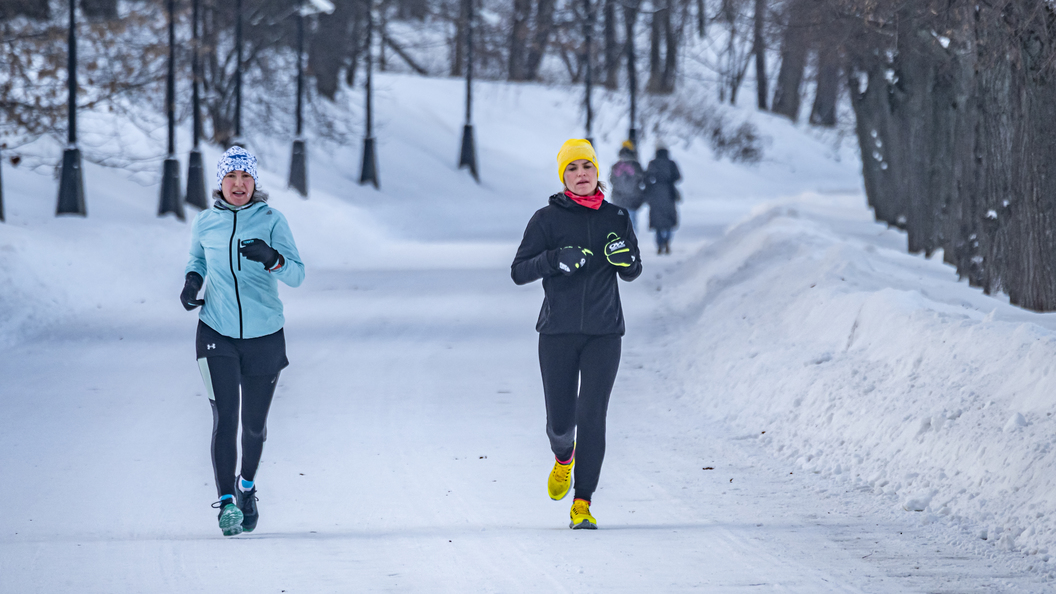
(1, 187)
(298, 160)
(468, 156)
(369, 170)
(196, 195)
(170, 200)
(71, 186)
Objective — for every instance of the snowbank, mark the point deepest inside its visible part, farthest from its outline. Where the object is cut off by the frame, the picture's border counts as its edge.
(811, 328)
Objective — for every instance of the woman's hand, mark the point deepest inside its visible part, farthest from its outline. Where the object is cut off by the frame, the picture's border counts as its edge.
(617, 252)
(191, 286)
(571, 259)
(259, 251)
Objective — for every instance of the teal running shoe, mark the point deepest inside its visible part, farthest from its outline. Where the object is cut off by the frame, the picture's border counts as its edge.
(230, 517)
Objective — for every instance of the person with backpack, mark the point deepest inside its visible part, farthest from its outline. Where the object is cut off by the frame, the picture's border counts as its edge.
(242, 246)
(627, 179)
(579, 245)
(662, 196)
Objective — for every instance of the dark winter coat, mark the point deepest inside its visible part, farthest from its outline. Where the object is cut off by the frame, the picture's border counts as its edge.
(660, 192)
(627, 179)
(587, 301)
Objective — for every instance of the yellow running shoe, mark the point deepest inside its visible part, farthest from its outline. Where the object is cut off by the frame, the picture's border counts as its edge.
(580, 514)
(560, 479)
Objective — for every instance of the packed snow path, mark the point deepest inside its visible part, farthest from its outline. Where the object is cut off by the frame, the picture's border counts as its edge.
(406, 452)
(406, 445)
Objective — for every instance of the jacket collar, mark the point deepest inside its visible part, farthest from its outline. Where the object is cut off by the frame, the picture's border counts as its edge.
(221, 204)
(562, 200)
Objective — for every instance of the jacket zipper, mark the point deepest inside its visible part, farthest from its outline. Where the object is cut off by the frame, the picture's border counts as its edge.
(230, 256)
(583, 297)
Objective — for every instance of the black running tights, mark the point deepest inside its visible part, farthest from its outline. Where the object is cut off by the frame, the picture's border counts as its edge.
(578, 373)
(229, 391)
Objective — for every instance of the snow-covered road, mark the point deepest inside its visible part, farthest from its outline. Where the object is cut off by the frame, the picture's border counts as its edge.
(406, 447)
(406, 452)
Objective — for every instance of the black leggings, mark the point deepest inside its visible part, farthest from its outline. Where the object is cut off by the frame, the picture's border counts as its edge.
(578, 373)
(229, 390)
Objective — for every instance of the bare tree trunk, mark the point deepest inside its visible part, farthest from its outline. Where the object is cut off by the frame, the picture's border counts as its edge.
(34, 9)
(762, 89)
(412, 9)
(518, 40)
(661, 73)
(544, 25)
(97, 9)
(612, 47)
(328, 48)
(672, 35)
(823, 113)
(794, 49)
(656, 32)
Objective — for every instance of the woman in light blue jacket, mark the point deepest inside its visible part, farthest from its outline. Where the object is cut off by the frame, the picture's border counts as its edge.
(243, 247)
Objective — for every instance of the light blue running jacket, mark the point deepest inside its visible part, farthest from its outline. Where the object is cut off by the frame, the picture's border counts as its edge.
(241, 296)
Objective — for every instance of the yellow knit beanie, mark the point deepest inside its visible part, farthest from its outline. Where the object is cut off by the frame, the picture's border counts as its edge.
(573, 149)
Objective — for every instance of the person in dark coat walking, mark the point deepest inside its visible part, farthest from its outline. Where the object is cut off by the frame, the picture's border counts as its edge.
(627, 180)
(578, 245)
(662, 195)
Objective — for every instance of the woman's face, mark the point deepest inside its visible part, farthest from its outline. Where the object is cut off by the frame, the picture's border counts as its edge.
(581, 177)
(237, 188)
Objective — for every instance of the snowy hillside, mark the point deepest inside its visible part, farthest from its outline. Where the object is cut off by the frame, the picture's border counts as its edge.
(801, 406)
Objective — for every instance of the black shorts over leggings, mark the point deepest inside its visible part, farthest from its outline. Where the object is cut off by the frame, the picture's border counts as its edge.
(240, 375)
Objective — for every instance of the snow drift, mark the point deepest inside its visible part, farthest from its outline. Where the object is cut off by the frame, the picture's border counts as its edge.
(814, 330)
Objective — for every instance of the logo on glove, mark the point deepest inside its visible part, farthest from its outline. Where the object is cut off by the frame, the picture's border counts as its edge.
(617, 252)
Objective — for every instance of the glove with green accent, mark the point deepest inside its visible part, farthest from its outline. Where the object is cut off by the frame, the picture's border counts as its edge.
(571, 259)
(617, 252)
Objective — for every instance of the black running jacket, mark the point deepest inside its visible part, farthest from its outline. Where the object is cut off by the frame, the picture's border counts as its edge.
(587, 301)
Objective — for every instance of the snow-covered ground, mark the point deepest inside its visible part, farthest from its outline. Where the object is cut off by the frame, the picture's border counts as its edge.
(801, 406)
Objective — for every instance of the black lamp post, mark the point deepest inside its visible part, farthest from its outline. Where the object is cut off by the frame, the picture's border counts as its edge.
(1, 189)
(588, 35)
(71, 186)
(238, 74)
(369, 170)
(468, 155)
(298, 160)
(170, 200)
(632, 78)
(196, 195)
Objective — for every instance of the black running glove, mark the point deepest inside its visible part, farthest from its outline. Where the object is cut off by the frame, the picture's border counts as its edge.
(571, 259)
(259, 251)
(618, 253)
(189, 296)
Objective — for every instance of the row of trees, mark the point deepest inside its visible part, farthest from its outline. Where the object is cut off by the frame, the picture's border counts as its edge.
(952, 99)
(123, 49)
(956, 120)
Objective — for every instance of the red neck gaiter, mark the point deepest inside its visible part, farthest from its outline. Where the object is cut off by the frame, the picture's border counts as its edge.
(593, 202)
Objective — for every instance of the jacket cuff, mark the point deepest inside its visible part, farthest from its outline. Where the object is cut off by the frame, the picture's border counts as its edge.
(278, 265)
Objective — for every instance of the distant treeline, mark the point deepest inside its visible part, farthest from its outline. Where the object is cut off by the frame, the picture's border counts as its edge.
(954, 101)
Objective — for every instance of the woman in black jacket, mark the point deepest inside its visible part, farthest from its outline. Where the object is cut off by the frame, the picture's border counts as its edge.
(660, 192)
(578, 245)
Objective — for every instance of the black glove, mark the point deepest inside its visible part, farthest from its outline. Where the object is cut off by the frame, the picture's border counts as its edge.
(617, 252)
(571, 259)
(259, 251)
(189, 296)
